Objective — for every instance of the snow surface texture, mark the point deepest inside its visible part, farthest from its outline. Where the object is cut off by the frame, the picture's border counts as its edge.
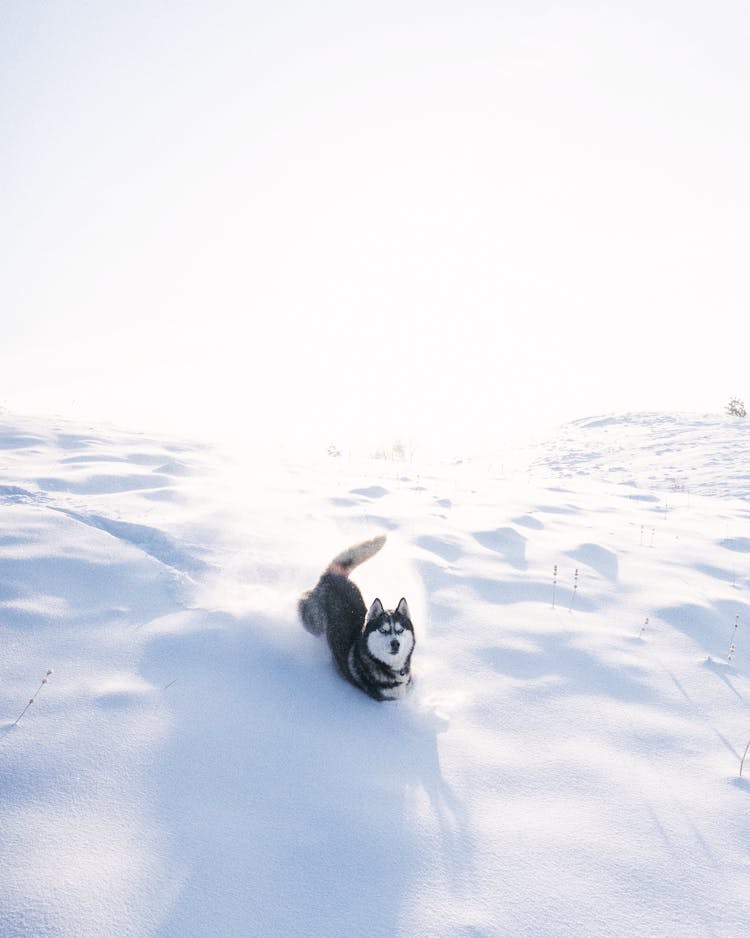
(194, 767)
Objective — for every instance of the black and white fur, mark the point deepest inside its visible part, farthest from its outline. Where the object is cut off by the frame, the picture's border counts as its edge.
(372, 648)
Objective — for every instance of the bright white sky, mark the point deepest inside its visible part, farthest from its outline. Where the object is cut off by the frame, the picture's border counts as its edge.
(356, 220)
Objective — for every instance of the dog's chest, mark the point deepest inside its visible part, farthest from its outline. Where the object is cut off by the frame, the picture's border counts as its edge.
(375, 678)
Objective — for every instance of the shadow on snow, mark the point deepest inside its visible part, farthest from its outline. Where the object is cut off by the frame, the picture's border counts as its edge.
(295, 778)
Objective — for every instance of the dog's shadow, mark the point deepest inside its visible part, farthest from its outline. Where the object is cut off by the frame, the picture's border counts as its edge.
(305, 802)
(412, 739)
(415, 828)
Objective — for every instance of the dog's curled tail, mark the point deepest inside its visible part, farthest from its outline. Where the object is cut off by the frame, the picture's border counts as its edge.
(311, 607)
(352, 557)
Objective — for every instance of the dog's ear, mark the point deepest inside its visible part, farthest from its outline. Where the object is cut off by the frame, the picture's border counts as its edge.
(403, 609)
(374, 611)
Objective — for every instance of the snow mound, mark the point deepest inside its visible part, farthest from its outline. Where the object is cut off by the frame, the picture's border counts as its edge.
(706, 454)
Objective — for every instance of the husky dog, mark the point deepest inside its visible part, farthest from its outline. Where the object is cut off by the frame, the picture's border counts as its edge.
(372, 648)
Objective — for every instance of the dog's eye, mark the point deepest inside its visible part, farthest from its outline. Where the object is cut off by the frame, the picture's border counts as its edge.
(385, 628)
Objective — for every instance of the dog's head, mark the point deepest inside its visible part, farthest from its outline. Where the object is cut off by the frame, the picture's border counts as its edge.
(389, 635)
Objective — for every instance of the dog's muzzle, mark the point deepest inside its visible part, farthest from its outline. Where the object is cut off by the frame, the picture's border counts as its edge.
(395, 645)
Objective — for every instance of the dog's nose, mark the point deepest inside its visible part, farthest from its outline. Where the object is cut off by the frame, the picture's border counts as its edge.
(395, 645)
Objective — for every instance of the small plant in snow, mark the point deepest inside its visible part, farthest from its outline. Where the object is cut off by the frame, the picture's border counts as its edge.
(732, 649)
(45, 680)
(736, 408)
(744, 755)
(554, 584)
(575, 590)
(643, 627)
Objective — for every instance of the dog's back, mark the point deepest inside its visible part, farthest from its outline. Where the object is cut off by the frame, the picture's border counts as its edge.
(334, 608)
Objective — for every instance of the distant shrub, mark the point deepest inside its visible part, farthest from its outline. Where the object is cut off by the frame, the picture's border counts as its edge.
(398, 451)
(736, 408)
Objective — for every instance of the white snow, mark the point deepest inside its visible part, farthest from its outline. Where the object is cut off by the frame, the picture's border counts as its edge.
(567, 764)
